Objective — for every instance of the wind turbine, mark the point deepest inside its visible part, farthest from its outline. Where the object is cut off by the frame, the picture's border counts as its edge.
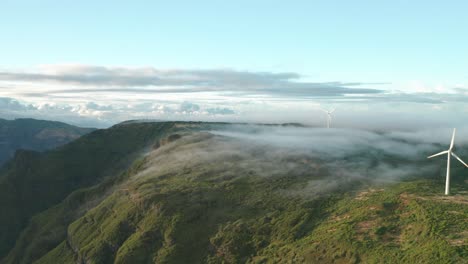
(449, 153)
(329, 116)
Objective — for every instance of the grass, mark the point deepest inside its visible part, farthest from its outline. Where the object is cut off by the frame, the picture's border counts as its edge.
(195, 222)
(33, 182)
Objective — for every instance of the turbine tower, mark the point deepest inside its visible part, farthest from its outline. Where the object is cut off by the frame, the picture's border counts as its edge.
(329, 116)
(449, 153)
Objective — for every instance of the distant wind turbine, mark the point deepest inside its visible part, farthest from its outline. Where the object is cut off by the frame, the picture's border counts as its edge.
(449, 153)
(329, 116)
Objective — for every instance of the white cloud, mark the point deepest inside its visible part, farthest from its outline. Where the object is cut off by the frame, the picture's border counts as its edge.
(102, 96)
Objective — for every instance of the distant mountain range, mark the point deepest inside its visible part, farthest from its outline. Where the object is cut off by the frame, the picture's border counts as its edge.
(37, 135)
(177, 192)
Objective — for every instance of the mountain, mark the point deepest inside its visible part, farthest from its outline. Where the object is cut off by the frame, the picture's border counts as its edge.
(189, 192)
(37, 135)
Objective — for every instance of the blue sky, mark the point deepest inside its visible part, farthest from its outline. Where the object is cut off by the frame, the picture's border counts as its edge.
(410, 48)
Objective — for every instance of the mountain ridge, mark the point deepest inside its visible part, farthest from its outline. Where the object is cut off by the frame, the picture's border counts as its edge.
(34, 134)
(186, 194)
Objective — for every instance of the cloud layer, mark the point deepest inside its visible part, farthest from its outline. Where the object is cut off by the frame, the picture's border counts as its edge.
(101, 96)
(356, 154)
(94, 79)
(325, 158)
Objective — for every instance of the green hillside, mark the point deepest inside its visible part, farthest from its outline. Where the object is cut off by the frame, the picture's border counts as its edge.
(172, 193)
(37, 135)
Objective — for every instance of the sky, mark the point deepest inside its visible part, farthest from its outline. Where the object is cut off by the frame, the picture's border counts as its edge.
(380, 64)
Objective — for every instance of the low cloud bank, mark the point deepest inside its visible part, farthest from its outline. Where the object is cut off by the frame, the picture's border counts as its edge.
(323, 160)
(339, 143)
(100, 115)
(357, 155)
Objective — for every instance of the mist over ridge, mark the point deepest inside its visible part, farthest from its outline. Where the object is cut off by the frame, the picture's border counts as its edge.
(326, 159)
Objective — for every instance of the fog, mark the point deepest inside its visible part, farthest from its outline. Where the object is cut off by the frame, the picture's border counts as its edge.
(340, 143)
(322, 159)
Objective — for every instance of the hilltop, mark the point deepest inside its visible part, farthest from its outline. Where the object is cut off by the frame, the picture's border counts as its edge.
(36, 135)
(191, 192)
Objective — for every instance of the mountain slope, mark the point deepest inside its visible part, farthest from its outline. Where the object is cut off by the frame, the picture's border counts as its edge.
(33, 181)
(198, 197)
(37, 135)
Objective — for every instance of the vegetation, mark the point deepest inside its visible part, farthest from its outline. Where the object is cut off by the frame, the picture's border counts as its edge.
(33, 182)
(38, 135)
(182, 203)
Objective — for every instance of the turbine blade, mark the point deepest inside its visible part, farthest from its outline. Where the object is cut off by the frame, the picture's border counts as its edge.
(438, 154)
(333, 110)
(453, 138)
(460, 160)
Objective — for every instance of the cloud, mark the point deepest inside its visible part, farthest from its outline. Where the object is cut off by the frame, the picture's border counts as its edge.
(125, 76)
(220, 111)
(94, 106)
(10, 104)
(325, 159)
(348, 154)
(98, 79)
(107, 95)
(99, 115)
(187, 107)
(340, 143)
(64, 81)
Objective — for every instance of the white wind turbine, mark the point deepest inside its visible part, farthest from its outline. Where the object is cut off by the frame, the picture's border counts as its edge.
(329, 116)
(449, 153)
